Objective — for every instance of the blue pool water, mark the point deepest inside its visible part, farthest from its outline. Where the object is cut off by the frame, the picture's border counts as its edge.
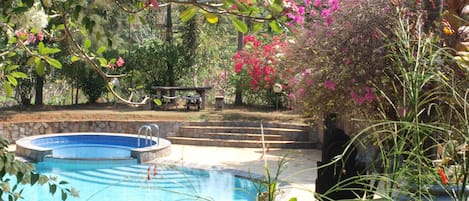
(91, 151)
(89, 146)
(128, 181)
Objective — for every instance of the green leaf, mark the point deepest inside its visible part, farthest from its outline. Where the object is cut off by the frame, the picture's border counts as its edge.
(276, 8)
(40, 68)
(31, 60)
(101, 50)
(52, 188)
(142, 20)
(257, 27)
(54, 62)
(12, 40)
(29, 3)
(63, 182)
(19, 75)
(88, 23)
(11, 67)
(41, 48)
(21, 9)
(211, 18)
(12, 80)
(275, 27)
(8, 89)
(157, 101)
(87, 44)
(293, 199)
(241, 7)
(131, 19)
(60, 27)
(34, 178)
(102, 62)
(64, 195)
(74, 58)
(11, 54)
(51, 50)
(239, 25)
(76, 12)
(187, 14)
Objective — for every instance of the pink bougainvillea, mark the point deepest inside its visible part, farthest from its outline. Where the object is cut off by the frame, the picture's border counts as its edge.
(298, 13)
(258, 61)
(330, 85)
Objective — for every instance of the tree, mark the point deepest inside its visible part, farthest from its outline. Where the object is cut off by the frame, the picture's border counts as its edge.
(59, 27)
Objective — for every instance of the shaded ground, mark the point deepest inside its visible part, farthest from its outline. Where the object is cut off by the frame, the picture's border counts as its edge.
(124, 112)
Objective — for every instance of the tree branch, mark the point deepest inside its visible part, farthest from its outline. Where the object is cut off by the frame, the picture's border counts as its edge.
(97, 68)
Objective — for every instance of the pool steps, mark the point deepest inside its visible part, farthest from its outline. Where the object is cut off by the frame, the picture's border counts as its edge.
(246, 135)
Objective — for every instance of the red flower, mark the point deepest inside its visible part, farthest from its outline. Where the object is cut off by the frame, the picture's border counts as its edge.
(238, 67)
(444, 179)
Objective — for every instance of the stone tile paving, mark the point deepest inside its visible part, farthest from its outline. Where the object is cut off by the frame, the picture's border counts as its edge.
(300, 173)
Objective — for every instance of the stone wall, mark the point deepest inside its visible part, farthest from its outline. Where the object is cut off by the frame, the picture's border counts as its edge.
(15, 131)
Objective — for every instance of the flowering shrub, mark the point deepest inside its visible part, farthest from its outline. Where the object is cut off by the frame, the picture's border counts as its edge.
(340, 74)
(256, 65)
(318, 10)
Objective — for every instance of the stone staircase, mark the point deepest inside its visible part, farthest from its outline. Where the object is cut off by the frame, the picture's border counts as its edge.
(245, 134)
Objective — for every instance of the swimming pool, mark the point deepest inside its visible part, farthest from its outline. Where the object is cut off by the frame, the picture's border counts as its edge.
(92, 146)
(110, 167)
(138, 182)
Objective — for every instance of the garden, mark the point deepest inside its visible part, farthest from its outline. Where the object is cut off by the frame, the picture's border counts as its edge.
(394, 74)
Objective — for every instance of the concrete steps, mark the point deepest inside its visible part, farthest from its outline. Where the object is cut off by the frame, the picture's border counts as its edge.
(245, 134)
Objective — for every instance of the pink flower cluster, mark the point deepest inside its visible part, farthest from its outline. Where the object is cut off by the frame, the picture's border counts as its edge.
(297, 13)
(119, 63)
(152, 4)
(259, 60)
(368, 96)
(29, 38)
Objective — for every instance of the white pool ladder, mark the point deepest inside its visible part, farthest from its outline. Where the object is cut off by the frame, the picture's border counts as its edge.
(148, 132)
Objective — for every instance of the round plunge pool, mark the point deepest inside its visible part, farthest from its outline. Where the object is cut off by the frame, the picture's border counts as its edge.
(92, 146)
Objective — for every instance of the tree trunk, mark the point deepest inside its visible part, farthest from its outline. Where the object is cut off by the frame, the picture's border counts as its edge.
(238, 90)
(39, 85)
(77, 91)
(169, 41)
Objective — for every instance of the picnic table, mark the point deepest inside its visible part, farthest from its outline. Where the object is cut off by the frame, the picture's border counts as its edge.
(161, 91)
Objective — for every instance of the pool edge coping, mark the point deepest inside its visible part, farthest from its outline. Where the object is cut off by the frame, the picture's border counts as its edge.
(27, 150)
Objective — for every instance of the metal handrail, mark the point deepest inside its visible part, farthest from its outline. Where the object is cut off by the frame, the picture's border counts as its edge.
(157, 132)
(149, 133)
(147, 128)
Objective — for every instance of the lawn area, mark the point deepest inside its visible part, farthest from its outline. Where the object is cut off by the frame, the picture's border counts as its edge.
(123, 112)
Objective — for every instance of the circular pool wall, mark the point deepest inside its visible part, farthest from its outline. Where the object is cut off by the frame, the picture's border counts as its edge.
(92, 146)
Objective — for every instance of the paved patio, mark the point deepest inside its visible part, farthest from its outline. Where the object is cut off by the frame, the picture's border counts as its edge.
(300, 172)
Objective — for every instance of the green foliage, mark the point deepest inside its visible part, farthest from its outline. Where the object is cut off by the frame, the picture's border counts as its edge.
(93, 85)
(149, 64)
(426, 108)
(14, 175)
